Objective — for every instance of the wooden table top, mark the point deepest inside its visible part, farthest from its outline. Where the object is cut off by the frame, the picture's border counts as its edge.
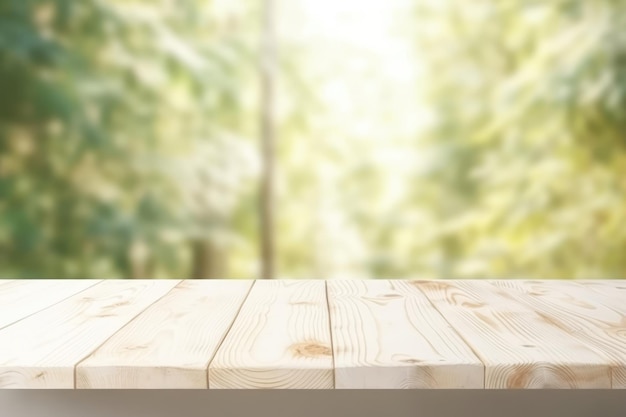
(312, 334)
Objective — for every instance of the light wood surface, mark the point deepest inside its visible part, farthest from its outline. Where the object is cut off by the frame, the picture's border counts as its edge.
(312, 334)
(520, 348)
(171, 343)
(587, 317)
(386, 334)
(21, 298)
(615, 290)
(280, 339)
(42, 350)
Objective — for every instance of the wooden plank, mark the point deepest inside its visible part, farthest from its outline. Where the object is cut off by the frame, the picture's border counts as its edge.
(609, 294)
(520, 348)
(171, 343)
(280, 339)
(575, 309)
(386, 334)
(41, 350)
(615, 289)
(21, 298)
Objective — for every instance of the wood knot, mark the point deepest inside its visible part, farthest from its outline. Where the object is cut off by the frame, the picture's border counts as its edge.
(135, 347)
(474, 304)
(411, 360)
(309, 350)
(119, 304)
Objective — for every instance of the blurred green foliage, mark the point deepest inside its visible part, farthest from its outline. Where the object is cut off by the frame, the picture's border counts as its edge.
(530, 99)
(104, 134)
(128, 135)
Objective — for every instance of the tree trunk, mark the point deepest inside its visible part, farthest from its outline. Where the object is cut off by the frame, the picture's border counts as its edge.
(140, 262)
(208, 261)
(266, 200)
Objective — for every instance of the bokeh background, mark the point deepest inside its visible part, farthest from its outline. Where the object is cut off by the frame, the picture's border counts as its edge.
(383, 139)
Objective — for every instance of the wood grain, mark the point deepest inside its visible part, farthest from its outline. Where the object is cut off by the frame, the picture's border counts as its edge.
(171, 343)
(41, 350)
(280, 339)
(591, 318)
(21, 298)
(312, 334)
(613, 289)
(520, 348)
(386, 334)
